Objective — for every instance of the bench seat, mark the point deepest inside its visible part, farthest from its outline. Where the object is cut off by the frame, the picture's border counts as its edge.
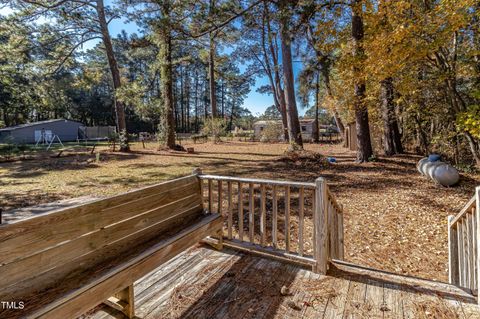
(93, 272)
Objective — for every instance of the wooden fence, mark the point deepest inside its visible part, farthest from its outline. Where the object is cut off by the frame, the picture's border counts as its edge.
(301, 222)
(463, 252)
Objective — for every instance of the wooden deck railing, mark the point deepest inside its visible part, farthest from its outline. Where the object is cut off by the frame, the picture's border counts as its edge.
(294, 220)
(463, 252)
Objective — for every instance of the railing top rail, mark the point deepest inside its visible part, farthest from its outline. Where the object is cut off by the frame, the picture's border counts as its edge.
(258, 181)
(332, 198)
(466, 209)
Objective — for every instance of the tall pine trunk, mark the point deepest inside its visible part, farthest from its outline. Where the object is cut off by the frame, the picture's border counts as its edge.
(315, 132)
(294, 133)
(211, 74)
(211, 64)
(196, 102)
(165, 56)
(364, 144)
(114, 70)
(274, 77)
(392, 143)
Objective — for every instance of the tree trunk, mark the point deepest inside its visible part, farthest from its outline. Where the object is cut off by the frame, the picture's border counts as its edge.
(187, 94)
(294, 133)
(326, 78)
(196, 102)
(392, 143)
(278, 94)
(364, 144)
(474, 148)
(205, 99)
(211, 74)
(113, 65)
(315, 132)
(165, 56)
(211, 63)
(182, 100)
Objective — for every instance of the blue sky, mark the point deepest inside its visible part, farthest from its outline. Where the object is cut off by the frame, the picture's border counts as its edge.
(255, 102)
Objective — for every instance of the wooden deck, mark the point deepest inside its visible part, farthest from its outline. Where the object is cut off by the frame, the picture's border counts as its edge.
(204, 283)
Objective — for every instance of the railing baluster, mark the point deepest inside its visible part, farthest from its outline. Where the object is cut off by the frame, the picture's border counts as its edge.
(274, 217)
(331, 226)
(474, 238)
(210, 196)
(263, 217)
(477, 235)
(469, 219)
(461, 263)
(230, 210)
(300, 220)
(240, 212)
(251, 224)
(287, 218)
(453, 254)
(219, 197)
(340, 234)
(466, 253)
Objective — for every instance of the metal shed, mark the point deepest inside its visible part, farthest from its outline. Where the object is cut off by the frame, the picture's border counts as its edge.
(66, 130)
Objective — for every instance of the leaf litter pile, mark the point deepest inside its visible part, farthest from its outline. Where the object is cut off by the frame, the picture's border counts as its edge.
(395, 219)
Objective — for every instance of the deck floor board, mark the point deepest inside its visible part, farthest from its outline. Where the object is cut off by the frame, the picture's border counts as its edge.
(205, 283)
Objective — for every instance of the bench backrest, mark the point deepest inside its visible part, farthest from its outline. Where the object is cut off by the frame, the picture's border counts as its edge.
(42, 244)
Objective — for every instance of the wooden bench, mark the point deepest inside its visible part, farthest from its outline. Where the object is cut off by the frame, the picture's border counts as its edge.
(66, 262)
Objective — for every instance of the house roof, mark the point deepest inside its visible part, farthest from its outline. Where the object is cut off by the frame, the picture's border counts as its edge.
(16, 127)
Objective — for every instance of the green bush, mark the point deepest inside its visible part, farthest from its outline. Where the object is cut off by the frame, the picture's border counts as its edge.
(271, 133)
(215, 128)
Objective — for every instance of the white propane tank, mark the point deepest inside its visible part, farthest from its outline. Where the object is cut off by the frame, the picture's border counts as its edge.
(445, 175)
(430, 167)
(420, 165)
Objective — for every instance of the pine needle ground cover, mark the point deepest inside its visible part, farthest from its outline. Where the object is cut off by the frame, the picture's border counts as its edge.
(395, 219)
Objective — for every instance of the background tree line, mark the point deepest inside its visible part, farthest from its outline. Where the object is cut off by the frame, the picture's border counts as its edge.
(407, 73)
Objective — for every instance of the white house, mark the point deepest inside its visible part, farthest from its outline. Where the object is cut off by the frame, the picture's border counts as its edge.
(305, 124)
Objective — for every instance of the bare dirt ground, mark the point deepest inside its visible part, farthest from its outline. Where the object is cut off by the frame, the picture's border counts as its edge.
(395, 219)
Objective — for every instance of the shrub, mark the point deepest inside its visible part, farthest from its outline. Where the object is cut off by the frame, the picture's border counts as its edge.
(271, 133)
(214, 127)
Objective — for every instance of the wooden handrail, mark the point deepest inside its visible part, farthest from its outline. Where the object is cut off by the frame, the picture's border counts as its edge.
(464, 245)
(466, 209)
(258, 181)
(332, 198)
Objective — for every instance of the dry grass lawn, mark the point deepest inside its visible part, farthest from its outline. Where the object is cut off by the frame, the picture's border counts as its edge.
(395, 219)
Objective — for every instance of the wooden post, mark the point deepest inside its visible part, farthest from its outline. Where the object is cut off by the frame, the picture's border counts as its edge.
(197, 172)
(320, 226)
(477, 237)
(123, 301)
(453, 275)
